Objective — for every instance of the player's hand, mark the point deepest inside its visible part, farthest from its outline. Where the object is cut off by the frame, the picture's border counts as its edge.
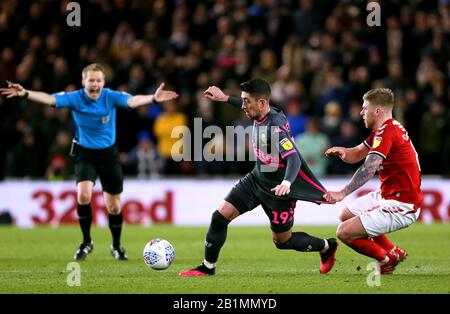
(282, 189)
(333, 197)
(215, 93)
(162, 95)
(13, 90)
(336, 151)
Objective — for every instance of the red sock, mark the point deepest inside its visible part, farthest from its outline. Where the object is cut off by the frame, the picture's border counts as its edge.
(369, 248)
(384, 242)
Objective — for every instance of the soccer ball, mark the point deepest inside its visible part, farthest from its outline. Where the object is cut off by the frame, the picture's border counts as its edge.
(158, 254)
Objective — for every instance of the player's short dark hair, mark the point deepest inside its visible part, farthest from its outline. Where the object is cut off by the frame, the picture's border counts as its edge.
(257, 88)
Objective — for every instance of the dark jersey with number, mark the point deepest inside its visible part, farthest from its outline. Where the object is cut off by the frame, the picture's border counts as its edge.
(272, 144)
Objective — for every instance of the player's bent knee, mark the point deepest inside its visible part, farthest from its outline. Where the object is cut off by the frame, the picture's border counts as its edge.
(342, 234)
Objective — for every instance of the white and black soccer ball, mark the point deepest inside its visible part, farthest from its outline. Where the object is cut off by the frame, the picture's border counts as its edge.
(159, 254)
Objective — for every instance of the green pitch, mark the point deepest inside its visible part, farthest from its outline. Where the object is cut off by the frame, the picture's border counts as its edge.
(35, 261)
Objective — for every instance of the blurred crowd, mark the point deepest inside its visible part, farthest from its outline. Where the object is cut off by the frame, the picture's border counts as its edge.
(319, 56)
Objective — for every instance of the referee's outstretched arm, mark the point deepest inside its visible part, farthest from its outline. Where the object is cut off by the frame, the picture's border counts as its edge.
(17, 90)
(160, 95)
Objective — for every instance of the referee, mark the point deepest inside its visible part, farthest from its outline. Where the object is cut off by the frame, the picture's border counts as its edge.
(95, 151)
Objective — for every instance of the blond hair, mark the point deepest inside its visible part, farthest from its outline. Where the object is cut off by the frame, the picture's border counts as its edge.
(93, 67)
(380, 96)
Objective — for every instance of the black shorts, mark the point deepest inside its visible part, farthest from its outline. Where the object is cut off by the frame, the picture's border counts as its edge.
(248, 194)
(102, 162)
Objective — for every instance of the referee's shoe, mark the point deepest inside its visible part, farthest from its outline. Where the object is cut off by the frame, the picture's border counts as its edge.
(83, 250)
(119, 253)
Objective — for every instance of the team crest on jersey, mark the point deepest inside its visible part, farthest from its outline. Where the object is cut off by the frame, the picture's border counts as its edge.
(105, 119)
(376, 141)
(286, 144)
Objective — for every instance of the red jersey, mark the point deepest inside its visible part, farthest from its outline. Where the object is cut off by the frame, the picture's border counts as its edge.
(400, 171)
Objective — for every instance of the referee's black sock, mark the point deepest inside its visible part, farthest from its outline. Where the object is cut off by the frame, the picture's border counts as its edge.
(215, 238)
(301, 241)
(85, 219)
(115, 225)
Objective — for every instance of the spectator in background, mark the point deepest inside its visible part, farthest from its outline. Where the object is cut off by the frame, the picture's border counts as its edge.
(332, 119)
(144, 158)
(297, 119)
(162, 129)
(395, 79)
(292, 55)
(348, 137)
(280, 86)
(306, 19)
(181, 41)
(26, 156)
(312, 144)
(432, 137)
(335, 90)
(267, 67)
(59, 165)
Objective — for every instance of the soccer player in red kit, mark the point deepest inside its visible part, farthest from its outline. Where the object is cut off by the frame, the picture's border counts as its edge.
(389, 151)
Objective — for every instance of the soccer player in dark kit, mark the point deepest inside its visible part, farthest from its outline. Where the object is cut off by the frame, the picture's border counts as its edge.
(280, 178)
(95, 151)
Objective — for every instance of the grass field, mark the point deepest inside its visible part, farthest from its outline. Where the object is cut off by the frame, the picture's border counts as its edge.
(35, 261)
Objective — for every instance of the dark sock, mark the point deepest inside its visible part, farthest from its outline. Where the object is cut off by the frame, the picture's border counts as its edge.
(301, 241)
(85, 219)
(215, 238)
(115, 225)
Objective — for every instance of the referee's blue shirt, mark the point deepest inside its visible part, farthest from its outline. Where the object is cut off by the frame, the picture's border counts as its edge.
(95, 120)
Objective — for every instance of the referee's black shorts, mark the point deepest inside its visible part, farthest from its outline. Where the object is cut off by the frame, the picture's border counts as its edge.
(248, 194)
(102, 162)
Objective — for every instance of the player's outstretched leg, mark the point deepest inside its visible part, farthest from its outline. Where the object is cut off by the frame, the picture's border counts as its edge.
(115, 225)
(328, 256)
(301, 241)
(215, 238)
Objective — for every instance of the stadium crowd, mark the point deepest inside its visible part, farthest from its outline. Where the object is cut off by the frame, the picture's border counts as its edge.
(319, 56)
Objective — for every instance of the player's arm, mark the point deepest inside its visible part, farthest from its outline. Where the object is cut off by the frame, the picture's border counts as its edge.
(216, 94)
(17, 90)
(160, 95)
(293, 164)
(349, 155)
(361, 177)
